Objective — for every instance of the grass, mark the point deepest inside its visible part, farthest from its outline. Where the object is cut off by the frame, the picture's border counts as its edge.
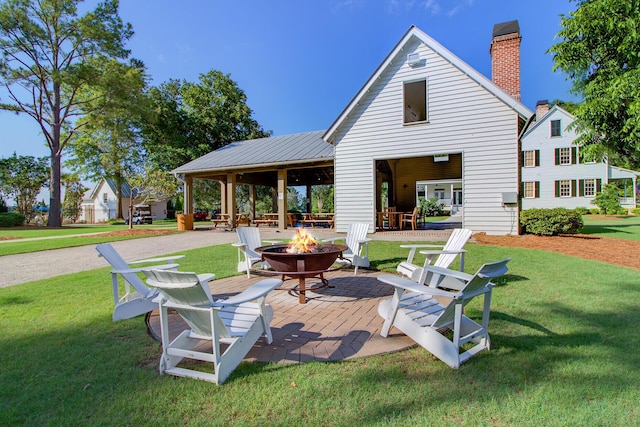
(622, 227)
(564, 339)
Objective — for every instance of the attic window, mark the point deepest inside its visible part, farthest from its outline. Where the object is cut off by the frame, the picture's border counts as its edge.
(415, 101)
(105, 197)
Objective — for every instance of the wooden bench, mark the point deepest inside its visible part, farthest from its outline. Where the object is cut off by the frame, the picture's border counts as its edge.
(222, 219)
(313, 219)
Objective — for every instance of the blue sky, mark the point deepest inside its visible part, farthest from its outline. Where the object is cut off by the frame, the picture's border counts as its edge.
(301, 62)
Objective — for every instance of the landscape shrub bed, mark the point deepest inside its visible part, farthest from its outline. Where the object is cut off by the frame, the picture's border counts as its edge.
(550, 222)
(11, 219)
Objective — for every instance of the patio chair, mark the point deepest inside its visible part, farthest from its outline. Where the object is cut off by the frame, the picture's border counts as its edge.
(138, 300)
(443, 257)
(410, 218)
(248, 240)
(435, 319)
(232, 326)
(356, 240)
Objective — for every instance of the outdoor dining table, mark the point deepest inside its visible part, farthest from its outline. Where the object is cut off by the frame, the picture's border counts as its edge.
(394, 220)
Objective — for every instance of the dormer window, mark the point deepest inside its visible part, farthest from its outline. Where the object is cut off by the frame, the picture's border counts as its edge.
(415, 101)
(556, 129)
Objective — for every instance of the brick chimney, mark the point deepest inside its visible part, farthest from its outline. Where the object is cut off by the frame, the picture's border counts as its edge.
(505, 57)
(542, 108)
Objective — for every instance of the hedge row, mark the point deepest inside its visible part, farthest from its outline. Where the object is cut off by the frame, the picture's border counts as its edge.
(11, 219)
(550, 222)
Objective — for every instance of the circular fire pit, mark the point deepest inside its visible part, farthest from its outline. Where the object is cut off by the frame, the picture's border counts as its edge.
(302, 265)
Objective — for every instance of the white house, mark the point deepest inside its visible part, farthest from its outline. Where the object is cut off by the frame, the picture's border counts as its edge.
(100, 204)
(555, 174)
(431, 118)
(424, 124)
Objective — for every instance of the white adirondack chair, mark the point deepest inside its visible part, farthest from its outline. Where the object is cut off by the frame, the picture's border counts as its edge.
(443, 257)
(140, 299)
(414, 310)
(356, 240)
(248, 240)
(232, 325)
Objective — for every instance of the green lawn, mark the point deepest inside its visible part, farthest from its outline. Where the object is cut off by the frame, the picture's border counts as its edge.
(564, 353)
(622, 227)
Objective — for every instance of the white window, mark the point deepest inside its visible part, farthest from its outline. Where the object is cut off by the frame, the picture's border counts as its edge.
(564, 156)
(415, 101)
(530, 159)
(589, 187)
(556, 128)
(439, 193)
(530, 190)
(565, 188)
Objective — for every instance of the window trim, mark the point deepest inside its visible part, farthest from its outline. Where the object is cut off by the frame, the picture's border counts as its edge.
(535, 189)
(536, 158)
(426, 101)
(559, 129)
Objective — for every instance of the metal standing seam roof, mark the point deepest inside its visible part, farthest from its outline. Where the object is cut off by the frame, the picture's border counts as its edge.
(275, 150)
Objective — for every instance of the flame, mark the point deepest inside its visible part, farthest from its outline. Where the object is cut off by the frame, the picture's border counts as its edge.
(302, 243)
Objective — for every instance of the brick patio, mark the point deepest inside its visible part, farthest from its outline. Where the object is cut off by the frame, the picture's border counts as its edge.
(337, 323)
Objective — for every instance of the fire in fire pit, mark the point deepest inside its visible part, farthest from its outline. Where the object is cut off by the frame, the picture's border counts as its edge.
(303, 258)
(303, 242)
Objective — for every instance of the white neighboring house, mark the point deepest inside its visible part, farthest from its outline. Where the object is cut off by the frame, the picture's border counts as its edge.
(100, 203)
(553, 173)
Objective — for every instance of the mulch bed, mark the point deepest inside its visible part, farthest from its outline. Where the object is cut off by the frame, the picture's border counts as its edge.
(621, 252)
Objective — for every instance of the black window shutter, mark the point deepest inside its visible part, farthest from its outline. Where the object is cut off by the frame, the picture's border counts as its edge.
(557, 188)
(574, 155)
(598, 185)
(573, 188)
(581, 187)
(537, 155)
(537, 188)
(557, 156)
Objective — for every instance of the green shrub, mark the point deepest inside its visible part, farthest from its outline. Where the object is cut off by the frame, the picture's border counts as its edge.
(608, 200)
(11, 219)
(431, 207)
(636, 211)
(116, 221)
(581, 210)
(623, 211)
(594, 211)
(550, 222)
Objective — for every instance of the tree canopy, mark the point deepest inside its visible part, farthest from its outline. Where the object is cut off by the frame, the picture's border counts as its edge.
(192, 119)
(22, 178)
(49, 54)
(599, 49)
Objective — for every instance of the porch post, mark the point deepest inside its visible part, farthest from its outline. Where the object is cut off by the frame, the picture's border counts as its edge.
(188, 195)
(223, 197)
(231, 198)
(309, 203)
(282, 199)
(252, 203)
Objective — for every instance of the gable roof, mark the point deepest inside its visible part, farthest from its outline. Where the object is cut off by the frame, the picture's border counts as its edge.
(415, 32)
(547, 115)
(272, 151)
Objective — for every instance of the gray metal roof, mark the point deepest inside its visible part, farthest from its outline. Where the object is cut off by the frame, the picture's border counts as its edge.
(275, 150)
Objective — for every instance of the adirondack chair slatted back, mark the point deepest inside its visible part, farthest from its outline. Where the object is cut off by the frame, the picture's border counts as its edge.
(482, 277)
(250, 237)
(184, 288)
(355, 234)
(456, 241)
(109, 253)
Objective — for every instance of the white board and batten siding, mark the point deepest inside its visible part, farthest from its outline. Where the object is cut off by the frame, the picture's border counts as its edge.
(463, 117)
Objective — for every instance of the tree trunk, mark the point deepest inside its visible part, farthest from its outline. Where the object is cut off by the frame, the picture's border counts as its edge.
(55, 210)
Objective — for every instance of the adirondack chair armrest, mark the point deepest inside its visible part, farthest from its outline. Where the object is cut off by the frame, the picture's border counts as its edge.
(447, 272)
(410, 285)
(148, 267)
(272, 242)
(366, 241)
(170, 259)
(238, 245)
(206, 277)
(448, 251)
(252, 293)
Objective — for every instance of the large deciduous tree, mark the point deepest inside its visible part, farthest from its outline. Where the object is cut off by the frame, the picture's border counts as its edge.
(599, 49)
(22, 178)
(48, 56)
(193, 119)
(107, 144)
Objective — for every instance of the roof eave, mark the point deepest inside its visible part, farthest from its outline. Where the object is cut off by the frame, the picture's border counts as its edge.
(413, 31)
(253, 166)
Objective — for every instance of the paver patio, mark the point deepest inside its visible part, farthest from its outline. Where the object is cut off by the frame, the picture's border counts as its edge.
(337, 323)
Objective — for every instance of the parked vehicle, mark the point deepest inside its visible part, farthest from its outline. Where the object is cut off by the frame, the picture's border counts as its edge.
(200, 215)
(141, 215)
